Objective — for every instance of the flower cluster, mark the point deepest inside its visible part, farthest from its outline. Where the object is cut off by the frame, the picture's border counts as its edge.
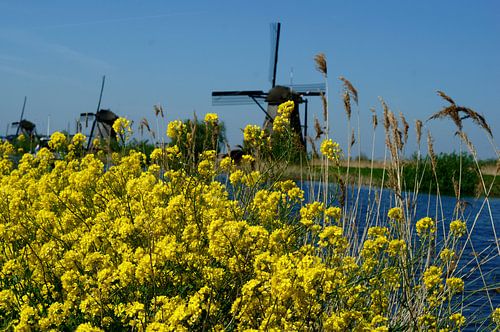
(175, 128)
(282, 120)
(57, 141)
(458, 228)
(211, 118)
(121, 126)
(331, 150)
(253, 135)
(396, 213)
(426, 226)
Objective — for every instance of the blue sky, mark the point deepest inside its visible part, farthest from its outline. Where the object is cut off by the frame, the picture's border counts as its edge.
(176, 53)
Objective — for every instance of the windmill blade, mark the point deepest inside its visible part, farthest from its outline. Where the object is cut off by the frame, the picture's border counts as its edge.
(22, 115)
(312, 89)
(224, 98)
(275, 43)
(97, 111)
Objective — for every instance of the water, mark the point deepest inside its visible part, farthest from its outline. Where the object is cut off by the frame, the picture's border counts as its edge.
(481, 249)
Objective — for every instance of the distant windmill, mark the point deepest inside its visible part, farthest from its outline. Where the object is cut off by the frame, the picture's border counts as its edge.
(276, 95)
(102, 124)
(25, 127)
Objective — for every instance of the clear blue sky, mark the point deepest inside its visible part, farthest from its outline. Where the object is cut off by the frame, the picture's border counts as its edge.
(176, 53)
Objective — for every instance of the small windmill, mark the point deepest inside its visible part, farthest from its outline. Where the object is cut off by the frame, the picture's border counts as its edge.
(25, 127)
(276, 95)
(102, 124)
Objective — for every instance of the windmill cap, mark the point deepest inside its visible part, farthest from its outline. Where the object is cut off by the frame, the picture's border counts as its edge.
(279, 94)
(106, 116)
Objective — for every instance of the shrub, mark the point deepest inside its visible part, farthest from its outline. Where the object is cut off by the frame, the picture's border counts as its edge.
(450, 171)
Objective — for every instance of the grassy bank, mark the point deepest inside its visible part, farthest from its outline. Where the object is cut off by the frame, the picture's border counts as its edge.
(362, 173)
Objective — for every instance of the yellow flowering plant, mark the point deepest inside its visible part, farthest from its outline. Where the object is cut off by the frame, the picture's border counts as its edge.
(185, 239)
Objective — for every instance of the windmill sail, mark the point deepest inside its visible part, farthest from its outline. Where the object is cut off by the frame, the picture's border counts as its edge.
(275, 43)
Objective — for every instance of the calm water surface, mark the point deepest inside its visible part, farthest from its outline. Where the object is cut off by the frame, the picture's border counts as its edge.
(481, 248)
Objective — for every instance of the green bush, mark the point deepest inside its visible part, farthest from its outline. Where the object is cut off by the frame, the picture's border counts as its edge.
(198, 136)
(447, 174)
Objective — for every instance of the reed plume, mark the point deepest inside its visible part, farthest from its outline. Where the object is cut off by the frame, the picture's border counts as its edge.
(325, 106)
(463, 136)
(453, 112)
(349, 87)
(430, 148)
(406, 127)
(158, 110)
(374, 118)
(347, 104)
(145, 124)
(321, 66)
(446, 97)
(418, 128)
(317, 128)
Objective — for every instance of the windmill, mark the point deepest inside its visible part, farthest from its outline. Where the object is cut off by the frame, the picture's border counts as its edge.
(276, 95)
(25, 127)
(102, 124)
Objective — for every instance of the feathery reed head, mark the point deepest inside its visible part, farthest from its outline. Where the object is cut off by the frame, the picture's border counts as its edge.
(418, 128)
(144, 124)
(347, 104)
(349, 87)
(463, 136)
(158, 110)
(430, 148)
(406, 126)
(453, 112)
(321, 66)
(445, 97)
(325, 106)
(476, 118)
(374, 118)
(317, 128)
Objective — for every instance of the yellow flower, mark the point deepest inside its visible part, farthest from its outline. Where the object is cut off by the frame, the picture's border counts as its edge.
(211, 118)
(226, 164)
(426, 226)
(87, 327)
(446, 255)
(458, 228)
(286, 108)
(57, 140)
(333, 212)
(396, 247)
(458, 319)
(282, 120)
(236, 177)
(253, 135)
(456, 285)
(432, 276)
(331, 150)
(495, 316)
(157, 155)
(121, 126)
(247, 159)
(395, 213)
(78, 139)
(175, 128)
